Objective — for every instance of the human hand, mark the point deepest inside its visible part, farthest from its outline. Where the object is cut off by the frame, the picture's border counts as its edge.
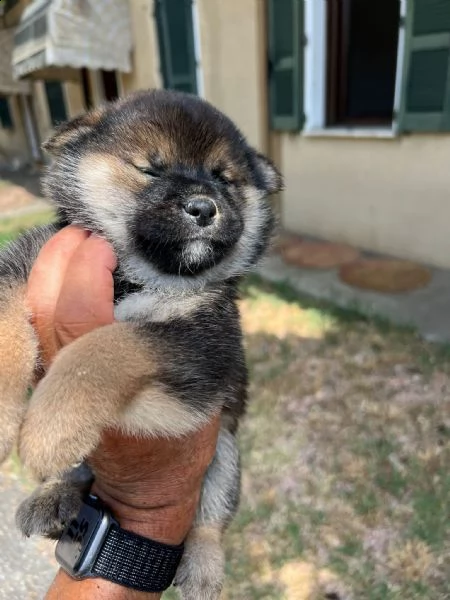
(152, 486)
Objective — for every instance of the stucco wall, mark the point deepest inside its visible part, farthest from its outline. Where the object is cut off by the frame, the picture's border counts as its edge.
(391, 196)
(233, 66)
(13, 142)
(145, 73)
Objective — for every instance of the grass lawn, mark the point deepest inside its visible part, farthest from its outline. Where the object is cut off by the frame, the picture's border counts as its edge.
(346, 457)
(346, 488)
(10, 228)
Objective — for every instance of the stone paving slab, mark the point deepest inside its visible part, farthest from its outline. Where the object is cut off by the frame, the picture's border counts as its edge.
(27, 566)
(427, 309)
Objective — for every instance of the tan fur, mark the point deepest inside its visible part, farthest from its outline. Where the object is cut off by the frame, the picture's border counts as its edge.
(168, 416)
(165, 151)
(98, 169)
(90, 385)
(18, 352)
(201, 571)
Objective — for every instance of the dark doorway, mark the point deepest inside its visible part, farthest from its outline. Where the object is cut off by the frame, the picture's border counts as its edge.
(110, 87)
(87, 90)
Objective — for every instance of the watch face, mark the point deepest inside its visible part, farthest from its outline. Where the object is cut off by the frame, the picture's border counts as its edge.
(76, 539)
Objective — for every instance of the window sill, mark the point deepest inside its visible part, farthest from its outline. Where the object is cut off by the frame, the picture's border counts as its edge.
(385, 133)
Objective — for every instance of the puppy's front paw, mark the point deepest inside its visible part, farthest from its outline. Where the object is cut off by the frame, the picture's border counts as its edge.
(49, 508)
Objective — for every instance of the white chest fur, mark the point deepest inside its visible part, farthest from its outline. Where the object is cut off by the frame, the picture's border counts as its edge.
(158, 307)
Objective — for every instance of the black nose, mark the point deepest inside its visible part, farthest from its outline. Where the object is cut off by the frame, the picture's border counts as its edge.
(201, 210)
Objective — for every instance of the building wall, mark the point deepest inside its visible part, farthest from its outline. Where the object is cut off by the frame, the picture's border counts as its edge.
(42, 113)
(73, 92)
(391, 196)
(145, 73)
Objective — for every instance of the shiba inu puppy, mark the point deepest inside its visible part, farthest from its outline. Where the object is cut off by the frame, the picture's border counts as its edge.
(173, 185)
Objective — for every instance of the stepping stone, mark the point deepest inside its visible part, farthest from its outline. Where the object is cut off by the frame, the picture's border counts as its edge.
(385, 275)
(317, 255)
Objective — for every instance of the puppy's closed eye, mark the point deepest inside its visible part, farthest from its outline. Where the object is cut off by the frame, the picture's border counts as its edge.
(149, 170)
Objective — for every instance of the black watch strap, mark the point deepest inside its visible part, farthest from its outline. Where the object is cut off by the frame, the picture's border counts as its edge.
(137, 562)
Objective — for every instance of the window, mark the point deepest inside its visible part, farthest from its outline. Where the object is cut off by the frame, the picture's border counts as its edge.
(362, 61)
(110, 87)
(359, 63)
(56, 102)
(6, 121)
(175, 29)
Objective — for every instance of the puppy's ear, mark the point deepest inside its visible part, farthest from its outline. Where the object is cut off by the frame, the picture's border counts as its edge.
(265, 174)
(72, 130)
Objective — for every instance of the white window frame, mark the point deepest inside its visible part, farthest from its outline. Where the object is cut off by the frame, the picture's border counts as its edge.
(315, 76)
(198, 49)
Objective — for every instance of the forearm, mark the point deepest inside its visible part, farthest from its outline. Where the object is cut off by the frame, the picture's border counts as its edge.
(65, 588)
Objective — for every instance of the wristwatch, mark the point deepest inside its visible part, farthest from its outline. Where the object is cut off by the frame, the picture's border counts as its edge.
(94, 545)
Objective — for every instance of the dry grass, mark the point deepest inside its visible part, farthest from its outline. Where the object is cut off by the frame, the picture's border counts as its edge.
(346, 457)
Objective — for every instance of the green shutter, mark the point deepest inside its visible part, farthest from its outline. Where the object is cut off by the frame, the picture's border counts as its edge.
(176, 44)
(286, 42)
(56, 102)
(425, 104)
(6, 121)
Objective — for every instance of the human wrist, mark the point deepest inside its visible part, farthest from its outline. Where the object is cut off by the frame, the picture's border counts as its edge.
(168, 524)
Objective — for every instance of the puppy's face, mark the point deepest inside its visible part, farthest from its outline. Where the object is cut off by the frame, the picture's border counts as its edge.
(169, 181)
